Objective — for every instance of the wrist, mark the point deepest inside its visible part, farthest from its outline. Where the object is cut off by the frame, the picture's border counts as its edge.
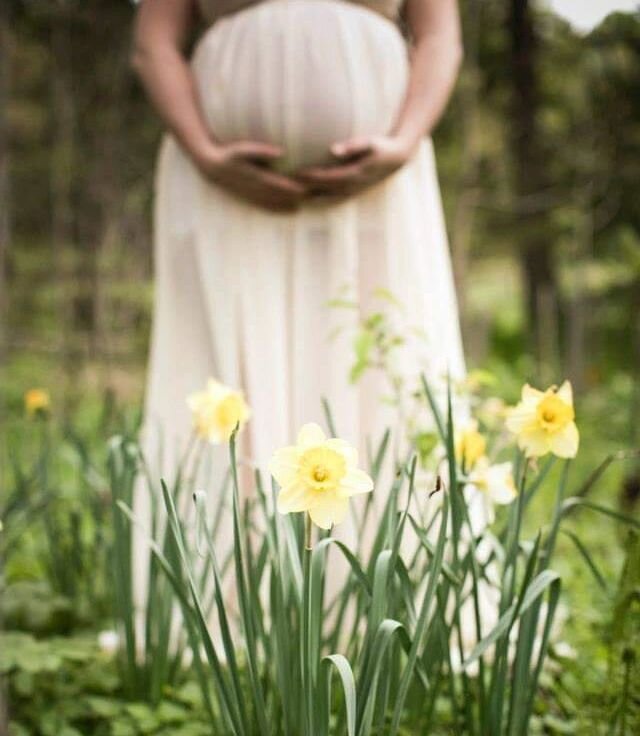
(206, 156)
(407, 143)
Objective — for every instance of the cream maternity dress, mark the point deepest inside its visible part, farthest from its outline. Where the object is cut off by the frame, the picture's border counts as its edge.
(247, 296)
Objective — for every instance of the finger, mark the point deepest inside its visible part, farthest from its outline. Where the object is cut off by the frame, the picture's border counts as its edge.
(352, 147)
(330, 174)
(256, 150)
(282, 183)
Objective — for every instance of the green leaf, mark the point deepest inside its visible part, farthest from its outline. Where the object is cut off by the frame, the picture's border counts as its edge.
(343, 668)
(586, 555)
(537, 588)
(575, 502)
(103, 707)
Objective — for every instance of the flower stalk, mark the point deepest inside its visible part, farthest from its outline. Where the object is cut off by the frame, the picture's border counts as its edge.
(308, 542)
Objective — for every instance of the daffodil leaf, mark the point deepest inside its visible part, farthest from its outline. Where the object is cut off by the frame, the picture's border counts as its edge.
(537, 588)
(343, 668)
(574, 502)
(587, 557)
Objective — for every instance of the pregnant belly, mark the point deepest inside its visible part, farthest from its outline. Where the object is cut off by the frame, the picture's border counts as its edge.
(301, 74)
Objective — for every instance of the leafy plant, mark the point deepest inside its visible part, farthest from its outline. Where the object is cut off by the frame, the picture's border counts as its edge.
(68, 686)
(412, 644)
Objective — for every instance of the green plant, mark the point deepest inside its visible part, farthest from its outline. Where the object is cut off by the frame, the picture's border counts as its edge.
(397, 633)
(68, 686)
(153, 650)
(625, 645)
(54, 508)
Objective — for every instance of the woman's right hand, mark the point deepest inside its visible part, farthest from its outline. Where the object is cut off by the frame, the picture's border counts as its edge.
(242, 169)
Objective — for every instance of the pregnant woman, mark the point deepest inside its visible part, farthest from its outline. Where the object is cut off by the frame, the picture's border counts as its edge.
(297, 170)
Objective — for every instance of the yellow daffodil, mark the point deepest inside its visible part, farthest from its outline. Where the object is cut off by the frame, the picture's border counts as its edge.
(318, 475)
(37, 402)
(470, 444)
(543, 422)
(490, 485)
(216, 411)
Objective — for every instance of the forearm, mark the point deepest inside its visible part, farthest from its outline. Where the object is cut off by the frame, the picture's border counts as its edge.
(436, 55)
(169, 83)
(162, 30)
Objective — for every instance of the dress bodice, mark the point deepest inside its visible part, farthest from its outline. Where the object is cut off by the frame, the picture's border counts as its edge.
(214, 9)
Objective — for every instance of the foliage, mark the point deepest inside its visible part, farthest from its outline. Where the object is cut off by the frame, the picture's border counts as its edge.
(67, 686)
(55, 508)
(78, 318)
(396, 633)
(151, 658)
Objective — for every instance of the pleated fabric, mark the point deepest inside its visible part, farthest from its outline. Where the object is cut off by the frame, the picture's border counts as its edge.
(248, 296)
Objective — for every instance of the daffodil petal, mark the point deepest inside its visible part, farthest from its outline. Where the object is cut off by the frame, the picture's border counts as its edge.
(535, 442)
(311, 435)
(294, 498)
(284, 465)
(217, 390)
(530, 394)
(349, 453)
(501, 486)
(565, 443)
(476, 505)
(487, 507)
(519, 417)
(503, 494)
(355, 481)
(329, 511)
(565, 392)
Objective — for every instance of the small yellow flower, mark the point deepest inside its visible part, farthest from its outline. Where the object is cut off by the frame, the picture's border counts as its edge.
(470, 444)
(37, 402)
(543, 422)
(318, 475)
(216, 411)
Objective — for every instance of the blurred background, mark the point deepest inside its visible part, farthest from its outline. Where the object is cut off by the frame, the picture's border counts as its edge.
(538, 163)
(539, 159)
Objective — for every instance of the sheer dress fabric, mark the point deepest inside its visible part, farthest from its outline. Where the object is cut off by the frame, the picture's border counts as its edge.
(245, 295)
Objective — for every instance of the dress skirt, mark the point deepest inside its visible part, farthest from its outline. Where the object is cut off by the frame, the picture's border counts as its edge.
(273, 303)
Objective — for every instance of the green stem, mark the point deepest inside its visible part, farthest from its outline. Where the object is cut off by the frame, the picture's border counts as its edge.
(308, 543)
(307, 678)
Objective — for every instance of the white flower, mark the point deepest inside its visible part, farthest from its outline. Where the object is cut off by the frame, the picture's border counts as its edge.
(109, 641)
(487, 486)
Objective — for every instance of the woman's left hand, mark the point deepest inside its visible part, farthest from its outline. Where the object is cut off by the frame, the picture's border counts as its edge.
(360, 163)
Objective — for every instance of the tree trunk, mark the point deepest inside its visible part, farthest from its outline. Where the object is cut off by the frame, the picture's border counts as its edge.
(468, 191)
(533, 231)
(62, 178)
(5, 194)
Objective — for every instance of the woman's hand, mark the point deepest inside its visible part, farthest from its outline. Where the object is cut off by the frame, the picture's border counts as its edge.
(242, 169)
(360, 163)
